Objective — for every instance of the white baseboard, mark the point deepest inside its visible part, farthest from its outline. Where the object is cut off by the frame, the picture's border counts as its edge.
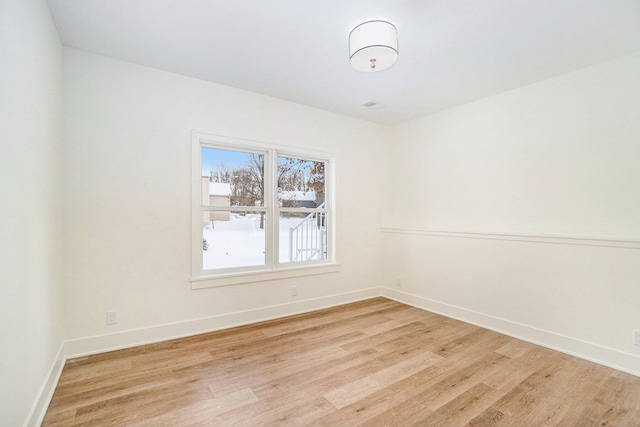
(39, 408)
(612, 358)
(131, 338)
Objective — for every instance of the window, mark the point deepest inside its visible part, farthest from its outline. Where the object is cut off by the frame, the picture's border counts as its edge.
(259, 211)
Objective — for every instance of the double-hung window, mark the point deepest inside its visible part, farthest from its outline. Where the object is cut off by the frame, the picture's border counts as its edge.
(259, 211)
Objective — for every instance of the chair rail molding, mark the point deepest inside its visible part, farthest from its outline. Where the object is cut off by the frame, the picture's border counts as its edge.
(609, 242)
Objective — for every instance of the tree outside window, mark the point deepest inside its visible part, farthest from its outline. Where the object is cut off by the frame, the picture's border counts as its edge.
(262, 209)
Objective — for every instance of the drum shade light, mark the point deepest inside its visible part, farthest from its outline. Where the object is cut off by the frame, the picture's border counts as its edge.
(373, 46)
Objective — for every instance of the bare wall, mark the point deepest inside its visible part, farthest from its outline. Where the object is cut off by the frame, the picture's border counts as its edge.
(537, 192)
(126, 158)
(31, 290)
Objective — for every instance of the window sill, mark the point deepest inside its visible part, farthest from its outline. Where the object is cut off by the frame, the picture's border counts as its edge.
(260, 276)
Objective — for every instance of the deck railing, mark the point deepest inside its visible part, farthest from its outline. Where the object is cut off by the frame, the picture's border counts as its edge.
(308, 239)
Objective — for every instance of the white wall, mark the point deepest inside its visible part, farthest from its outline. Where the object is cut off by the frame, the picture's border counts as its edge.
(31, 293)
(126, 157)
(560, 158)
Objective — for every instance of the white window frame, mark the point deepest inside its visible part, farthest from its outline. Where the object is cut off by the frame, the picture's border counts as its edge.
(272, 269)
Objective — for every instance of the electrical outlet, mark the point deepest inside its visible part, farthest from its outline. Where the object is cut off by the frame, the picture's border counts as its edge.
(294, 291)
(111, 317)
(399, 282)
(636, 337)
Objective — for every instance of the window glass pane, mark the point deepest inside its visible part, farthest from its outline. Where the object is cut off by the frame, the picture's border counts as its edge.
(303, 236)
(232, 178)
(233, 239)
(300, 183)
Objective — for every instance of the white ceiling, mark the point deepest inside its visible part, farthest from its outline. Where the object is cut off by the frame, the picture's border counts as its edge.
(451, 51)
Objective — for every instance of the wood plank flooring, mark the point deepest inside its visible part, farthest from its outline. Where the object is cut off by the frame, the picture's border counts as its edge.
(374, 363)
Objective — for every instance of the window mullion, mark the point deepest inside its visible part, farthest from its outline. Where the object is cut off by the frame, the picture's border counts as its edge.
(269, 202)
(213, 208)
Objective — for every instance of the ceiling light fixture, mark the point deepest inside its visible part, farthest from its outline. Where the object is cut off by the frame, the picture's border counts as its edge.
(373, 46)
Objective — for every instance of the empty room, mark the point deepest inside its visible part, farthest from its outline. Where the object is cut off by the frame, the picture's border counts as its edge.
(332, 213)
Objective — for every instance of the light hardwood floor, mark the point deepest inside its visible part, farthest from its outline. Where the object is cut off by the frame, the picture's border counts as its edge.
(375, 362)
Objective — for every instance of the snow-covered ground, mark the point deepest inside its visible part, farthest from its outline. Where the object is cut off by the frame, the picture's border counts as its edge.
(240, 242)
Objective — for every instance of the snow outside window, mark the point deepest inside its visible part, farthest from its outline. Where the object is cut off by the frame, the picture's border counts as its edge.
(259, 208)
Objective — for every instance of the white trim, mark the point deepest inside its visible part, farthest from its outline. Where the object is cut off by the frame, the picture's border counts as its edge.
(232, 142)
(41, 404)
(196, 194)
(606, 356)
(609, 242)
(203, 282)
(134, 337)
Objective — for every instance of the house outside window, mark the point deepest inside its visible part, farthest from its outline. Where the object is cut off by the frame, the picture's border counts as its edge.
(259, 211)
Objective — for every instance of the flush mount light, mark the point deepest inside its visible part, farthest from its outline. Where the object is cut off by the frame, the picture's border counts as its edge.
(373, 46)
